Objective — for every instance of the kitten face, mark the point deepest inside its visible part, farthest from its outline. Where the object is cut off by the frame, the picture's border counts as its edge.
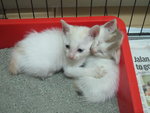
(109, 40)
(78, 40)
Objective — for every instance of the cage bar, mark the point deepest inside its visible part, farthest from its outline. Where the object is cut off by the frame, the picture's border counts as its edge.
(76, 8)
(3, 9)
(18, 9)
(54, 12)
(46, 3)
(119, 8)
(61, 4)
(91, 7)
(145, 17)
(105, 9)
(132, 16)
(32, 9)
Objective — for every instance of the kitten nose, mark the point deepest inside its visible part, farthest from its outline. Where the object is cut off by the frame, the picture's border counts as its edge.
(71, 57)
(93, 51)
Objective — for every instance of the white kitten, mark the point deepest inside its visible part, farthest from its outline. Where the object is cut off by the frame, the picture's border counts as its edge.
(42, 54)
(77, 43)
(98, 80)
(39, 54)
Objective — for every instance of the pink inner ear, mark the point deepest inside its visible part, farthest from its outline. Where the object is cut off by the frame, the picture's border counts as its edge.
(65, 26)
(65, 29)
(110, 24)
(95, 33)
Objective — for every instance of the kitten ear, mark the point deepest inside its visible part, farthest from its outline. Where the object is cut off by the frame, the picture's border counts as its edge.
(111, 25)
(94, 31)
(65, 26)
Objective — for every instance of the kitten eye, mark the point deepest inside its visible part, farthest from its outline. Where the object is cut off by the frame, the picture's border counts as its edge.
(67, 46)
(80, 50)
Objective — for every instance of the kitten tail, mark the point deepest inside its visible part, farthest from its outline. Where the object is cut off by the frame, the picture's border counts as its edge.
(13, 66)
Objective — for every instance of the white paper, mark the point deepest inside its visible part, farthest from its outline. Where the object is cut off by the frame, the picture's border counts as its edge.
(140, 50)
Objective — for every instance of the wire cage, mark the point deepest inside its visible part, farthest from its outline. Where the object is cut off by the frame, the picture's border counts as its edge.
(135, 13)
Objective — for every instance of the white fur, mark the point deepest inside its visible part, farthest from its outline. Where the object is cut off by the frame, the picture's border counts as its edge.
(42, 54)
(102, 88)
(98, 80)
(78, 37)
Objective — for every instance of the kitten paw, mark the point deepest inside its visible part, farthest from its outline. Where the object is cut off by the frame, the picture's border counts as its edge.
(67, 72)
(100, 72)
(44, 77)
(49, 74)
(77, 90)
(41, 78)
(79, 93)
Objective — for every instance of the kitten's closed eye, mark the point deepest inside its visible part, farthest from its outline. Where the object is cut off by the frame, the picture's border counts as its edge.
(100, 51)
(80, 50)
(68, 46)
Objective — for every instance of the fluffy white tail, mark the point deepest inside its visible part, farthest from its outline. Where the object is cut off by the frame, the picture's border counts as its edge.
(98, 90)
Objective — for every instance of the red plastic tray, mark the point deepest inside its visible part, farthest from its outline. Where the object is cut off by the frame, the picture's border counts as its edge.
(13, 30)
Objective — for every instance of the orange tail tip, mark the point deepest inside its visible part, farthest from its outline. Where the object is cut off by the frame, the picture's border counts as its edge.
(13, 67)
